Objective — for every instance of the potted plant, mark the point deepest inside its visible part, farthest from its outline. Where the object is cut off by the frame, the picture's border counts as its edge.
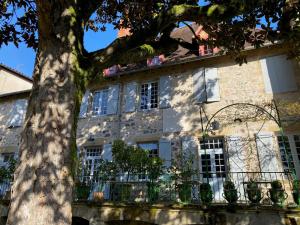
(6, 177)
(230, 192)
(82, 190)
(105, 172)
(276, 193)
(182, 174)
(206, 194)
(129, 161)
(254, 193)
(296, 191)
(154, 171)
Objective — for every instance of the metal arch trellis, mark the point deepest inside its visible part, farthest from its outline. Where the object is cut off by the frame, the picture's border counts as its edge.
(259, 111)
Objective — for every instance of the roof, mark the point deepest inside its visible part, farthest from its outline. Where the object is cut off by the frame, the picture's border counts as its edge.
(181, 54)
(16, 72)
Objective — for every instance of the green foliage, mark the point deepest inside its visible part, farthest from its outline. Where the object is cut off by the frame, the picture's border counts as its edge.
(276, 184)
(129, 159)
(7, 172)
(154, 168)
(183, 168)
(206, 193)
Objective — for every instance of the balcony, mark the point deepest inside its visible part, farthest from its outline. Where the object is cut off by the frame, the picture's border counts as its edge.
(137, 188)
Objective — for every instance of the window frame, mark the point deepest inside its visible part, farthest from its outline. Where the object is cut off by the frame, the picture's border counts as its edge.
(294, 153)
(100, 111)
(90, 177)
(150, 155)
(212, 151)
(149, 95)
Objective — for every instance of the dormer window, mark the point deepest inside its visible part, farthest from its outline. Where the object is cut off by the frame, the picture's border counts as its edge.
(155, 61)
(207, 50)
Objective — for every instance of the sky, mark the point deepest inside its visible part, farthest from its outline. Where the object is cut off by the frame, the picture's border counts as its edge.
(22, 58)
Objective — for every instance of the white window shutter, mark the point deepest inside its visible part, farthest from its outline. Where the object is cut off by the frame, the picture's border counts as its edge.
(237, 159)
(199, 86)
(84, 105)
(113, 99)
(212, 85)
(107, 152)
(165, 87)
(235, 154)
(165, 152)
(190, 148)
(278, 74)
(130, 96)
(18, 113)
(267, 154)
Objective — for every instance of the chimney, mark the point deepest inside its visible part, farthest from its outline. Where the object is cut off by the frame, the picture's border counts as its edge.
(123, 32)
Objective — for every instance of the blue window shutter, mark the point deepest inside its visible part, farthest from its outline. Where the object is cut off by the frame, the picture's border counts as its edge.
(130, 96)
(267, 153)
(84, 105)
(165, 152)
(278, 73)
(113, 99)
(199, 86)
(107, 152)
(18, 112)
(165, 87)
(212, 85)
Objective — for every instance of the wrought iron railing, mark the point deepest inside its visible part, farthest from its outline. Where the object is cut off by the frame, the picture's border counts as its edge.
(138, 188)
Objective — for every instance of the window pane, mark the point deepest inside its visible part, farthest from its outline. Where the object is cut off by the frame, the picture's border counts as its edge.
(151, 147)
(154, 95)
(286, 154)
(144, 96)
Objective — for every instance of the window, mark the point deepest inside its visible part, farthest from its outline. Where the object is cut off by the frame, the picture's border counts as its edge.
(286, 154)
(151, 147)
(207, 50)
(6, 157)
(297, 145)
(91, 161)
(212, 158)
(100, 101)
(149, 95)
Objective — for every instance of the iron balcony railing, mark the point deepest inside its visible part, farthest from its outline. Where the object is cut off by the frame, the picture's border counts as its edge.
(165, 189)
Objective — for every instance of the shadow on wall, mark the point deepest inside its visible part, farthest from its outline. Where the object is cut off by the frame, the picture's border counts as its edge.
(79, 221)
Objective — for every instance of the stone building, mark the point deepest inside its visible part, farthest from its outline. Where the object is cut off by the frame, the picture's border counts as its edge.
(239, 121)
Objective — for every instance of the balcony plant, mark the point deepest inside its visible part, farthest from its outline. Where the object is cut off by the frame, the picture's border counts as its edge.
(106, 172)
(230, 192)
(154, 171)
(276, 193)
(182, 174)
(129, 161)
(254, 193)
(206, 194)
(296, 192)
(82, 189)
(6, 176)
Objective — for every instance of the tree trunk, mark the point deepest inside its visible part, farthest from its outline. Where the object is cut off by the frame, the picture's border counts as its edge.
(42, 189)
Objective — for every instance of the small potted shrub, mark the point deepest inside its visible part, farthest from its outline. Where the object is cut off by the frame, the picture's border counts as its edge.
(82, 190)
(230, 192)
(296, 191)
(129, 162)
(254, 193)
(105, 172)
(276, 193)
(206, 194)
(182, 175)
(154, 171)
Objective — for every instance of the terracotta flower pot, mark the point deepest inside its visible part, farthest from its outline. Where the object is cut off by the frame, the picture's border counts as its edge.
(98, 196)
